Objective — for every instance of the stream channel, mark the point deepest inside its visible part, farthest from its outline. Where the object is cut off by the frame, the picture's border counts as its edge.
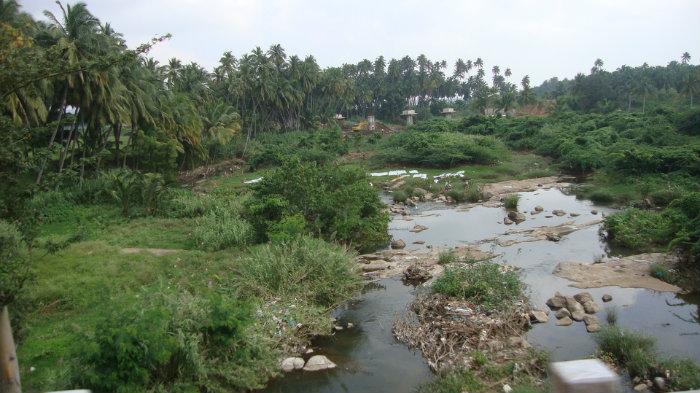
(369, 359)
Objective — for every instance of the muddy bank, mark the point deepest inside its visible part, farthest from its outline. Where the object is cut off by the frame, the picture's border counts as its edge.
(626, 272)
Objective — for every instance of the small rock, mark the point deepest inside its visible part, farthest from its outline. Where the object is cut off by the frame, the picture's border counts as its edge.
(607, 298)
(578, 316)
(591, 307)
(566, 321)
(507, 388)
(410, 203)
(583, 297)
(592, 328)
(516, 216)
(318, 362)
(507, 221)
(548, 216)
(539, 208)
(309, 351)
(562, 313)
(350, 325)
(419, 242)
(337, 328)
(553, 237)
(538, 316)
(557, 301)
(418, 228)
(591, 320)
(415, 274)
(290, 364)
(558, 212)
(486, 195)
(660, 383)
(641, 387)
(573, 306)
(398, 244)
(594, 211)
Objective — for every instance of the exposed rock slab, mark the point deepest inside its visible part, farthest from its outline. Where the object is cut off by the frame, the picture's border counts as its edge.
(626, 272)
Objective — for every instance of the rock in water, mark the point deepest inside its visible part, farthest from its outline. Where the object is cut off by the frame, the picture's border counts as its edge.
(317, 363)
(591, 320)
(539, 208)
(418, 228)
(516, 216)
(562, 313)
(557, 301)
(591, 307)
(578, 316)
(592, 328)
(583, 297)
(573, 306)
(558, 212)
(290, 364)
(594, 211)
(660, 383)
(607, 298)
(566, 321)
(398, 244)
(538, 316)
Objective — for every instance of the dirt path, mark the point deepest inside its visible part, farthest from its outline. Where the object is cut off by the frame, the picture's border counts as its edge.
(159, 252)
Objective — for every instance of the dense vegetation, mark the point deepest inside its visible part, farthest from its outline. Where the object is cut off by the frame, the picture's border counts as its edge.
(119, 279)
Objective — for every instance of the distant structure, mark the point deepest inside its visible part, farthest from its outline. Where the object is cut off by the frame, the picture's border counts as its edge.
(371, 123)
(408, 114)
(448, 112)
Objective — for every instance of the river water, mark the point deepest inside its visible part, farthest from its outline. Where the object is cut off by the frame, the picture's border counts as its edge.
(369, 358)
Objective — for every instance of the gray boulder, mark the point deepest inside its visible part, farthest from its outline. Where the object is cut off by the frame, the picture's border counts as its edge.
(318, 362)
(398, 244)
(291, 364)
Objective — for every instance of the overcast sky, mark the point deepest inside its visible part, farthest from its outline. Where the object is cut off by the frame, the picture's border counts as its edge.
(542, 38)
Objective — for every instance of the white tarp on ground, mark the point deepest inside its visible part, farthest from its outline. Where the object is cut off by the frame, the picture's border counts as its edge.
(444, 175)
(389, 173)
(252, 181)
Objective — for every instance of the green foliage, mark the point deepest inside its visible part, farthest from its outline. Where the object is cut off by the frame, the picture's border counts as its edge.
(685, 374)
(661, 272)
(439, 149)
(287, 229)
(122, 187)
(511, 201)
(175, 342)
(630, 350)
(457, 195)
(611, 315)
(304, 268)
(152, 191)
(483, 283)
(445, 257)
(14, 263)
(320, 146)
(336, 202)
(473, 192)
(456, 381)
(639, 229)
(221, 228)
(399, 196)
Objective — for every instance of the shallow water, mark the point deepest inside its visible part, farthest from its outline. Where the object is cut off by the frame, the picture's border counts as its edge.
(370, 360)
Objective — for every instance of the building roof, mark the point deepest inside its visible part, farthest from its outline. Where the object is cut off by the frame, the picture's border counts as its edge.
(408, 112)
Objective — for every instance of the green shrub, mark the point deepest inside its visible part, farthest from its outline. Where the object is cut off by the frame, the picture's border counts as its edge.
(287, 229)
(221, 228)
(511, 201)
(639, 229)
(337, 202)
(445, 257)
(611, 315)
(152, 191)
(439, 149)
(14, 263)
(175, 342)
(661, 272)
(601, 196)
(455, 381)
(304, 268)
(473, 192)
(483, 283)
(319, 146)
(457, 195)
(181, 203)
(685, 374)
(51, 206)
(631, 350)
(122, 188)
(399, 196)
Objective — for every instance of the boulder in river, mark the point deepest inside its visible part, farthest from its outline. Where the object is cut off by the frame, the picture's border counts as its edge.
(291, 364)
(592, 328)
(594, 211)
(318, 362)
(398, 244)
(507, 221)
(553, 237)
(562, 313)
(557, 301)
(418, 228)
(516, 216)
(558, 212)
(538, 316)
(415, 274)
(583, 297)
(539, 208)
(578, 316)
(607, 298)
(591, 307)
(566, 321)
(573, 306)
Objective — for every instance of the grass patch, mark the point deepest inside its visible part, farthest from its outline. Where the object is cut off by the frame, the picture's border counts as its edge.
(511, 201)
(485, 283)
(446, 257)
(399, 196)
